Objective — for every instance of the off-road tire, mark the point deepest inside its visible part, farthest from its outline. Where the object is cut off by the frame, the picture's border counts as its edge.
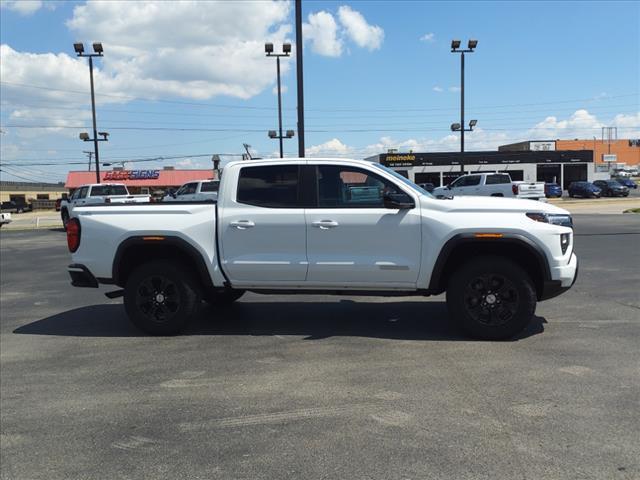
(491, 298)
(161, 297)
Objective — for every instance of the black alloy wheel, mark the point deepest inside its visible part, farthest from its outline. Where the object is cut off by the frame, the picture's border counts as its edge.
(161, 297)
(157, 298)
(491, 299)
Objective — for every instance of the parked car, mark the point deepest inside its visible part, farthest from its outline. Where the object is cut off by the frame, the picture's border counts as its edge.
(97, 193)
(5, 218)
(583, 189)
(196, 191)
(552, 190)
(491, 185)
(627, 182)
(15, 206)
(326, 226)
(611, 188)
(427, 186)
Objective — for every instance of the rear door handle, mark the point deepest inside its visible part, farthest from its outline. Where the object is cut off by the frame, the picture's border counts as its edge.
(324, 224)
(242, 224)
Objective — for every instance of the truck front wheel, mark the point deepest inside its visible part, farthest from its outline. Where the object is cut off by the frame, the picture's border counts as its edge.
(491, 298)
(161, 297)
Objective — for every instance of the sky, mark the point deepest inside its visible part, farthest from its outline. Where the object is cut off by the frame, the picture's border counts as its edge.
(180, 81)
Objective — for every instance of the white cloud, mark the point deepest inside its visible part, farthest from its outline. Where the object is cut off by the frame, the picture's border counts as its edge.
(580, 124)
(438, 89)
(454, 89)
(23, 7)
(333, 147)
(194, 50)
(322, 32)
(428, 37)
(358, 30)
(283, 89)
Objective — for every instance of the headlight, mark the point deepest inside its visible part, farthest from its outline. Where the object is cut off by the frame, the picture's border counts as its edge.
(553, 218)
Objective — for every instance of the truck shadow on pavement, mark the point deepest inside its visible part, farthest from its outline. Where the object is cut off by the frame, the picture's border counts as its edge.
(401, 320)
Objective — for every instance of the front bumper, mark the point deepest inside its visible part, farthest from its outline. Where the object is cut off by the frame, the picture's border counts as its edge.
(81, 276)
(563, 279)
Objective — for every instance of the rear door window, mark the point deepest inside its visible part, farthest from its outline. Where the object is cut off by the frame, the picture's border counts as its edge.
(105, 190)
(498, 179)
(275, 186)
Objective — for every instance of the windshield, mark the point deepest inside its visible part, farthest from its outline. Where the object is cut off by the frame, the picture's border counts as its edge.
(404, 180)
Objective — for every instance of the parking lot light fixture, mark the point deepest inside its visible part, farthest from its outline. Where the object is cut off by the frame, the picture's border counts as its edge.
(97, 48)
(286, 51)
(455, 127)
(455, 48)
(290, 133)
(84, 136)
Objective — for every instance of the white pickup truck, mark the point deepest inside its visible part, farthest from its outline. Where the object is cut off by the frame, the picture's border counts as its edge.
(97, 193)
(491, 185)
(326, 226)
(196, 191)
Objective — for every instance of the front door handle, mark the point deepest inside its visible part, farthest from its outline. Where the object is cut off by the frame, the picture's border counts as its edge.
(242, 224)
(324, 224)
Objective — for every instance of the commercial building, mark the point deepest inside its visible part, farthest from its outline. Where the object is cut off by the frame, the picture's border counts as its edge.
(617, 153)
(27, 192)
(441, 168)
(140, 181)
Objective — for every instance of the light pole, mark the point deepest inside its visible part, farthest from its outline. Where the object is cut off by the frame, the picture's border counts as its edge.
(97, 48)
(286, 49)
(457, 127)
(455, 48)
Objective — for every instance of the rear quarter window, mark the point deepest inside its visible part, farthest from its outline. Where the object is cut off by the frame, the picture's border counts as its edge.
(498, 179)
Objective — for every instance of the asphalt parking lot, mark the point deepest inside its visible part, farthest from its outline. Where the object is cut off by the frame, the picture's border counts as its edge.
(320, 387)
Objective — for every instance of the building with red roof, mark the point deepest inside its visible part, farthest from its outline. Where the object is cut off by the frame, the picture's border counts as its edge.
(140, 181)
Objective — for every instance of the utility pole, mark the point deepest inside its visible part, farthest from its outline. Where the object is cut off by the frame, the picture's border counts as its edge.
(455, 48)
(300, 79)
(90, 155)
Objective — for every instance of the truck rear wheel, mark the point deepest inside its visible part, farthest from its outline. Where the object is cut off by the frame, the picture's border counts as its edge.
(65, 218)
(161, 297)
(491, 298)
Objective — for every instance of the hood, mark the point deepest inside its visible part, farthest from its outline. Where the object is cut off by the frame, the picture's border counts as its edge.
(491, 204)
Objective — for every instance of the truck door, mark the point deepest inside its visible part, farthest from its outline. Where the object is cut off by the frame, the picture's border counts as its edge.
(466, 185)
(262, 227)
(353, 240)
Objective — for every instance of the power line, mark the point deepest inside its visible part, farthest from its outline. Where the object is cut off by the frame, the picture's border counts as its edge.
(388, 109)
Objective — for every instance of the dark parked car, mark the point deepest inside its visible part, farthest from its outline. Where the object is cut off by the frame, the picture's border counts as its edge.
(427, 186)
(627, 182)
(611, 188)
(552, 190)
(583, 189)
(13, 206)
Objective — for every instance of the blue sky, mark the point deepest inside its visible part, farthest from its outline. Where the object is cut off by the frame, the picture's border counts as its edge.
(378, 75)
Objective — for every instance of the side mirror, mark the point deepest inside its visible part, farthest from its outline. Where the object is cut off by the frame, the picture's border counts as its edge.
(397, 201)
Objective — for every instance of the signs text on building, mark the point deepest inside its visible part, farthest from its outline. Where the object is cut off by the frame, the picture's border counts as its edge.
(609, 158)
(132, 175)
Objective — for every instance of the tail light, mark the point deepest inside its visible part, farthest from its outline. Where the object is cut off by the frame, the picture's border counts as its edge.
(514, 189)
(73, 234)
